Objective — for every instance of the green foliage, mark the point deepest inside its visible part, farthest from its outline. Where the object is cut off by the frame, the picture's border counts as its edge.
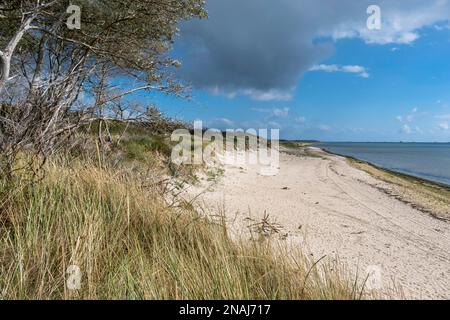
(141, 148)
(129, 38)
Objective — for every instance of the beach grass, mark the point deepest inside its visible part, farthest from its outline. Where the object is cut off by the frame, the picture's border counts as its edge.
(113, 224)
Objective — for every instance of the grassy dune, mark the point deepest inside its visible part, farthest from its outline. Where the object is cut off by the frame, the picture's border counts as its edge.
(113, 223)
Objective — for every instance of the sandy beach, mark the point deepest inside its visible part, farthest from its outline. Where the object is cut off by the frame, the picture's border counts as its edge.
(327, 207)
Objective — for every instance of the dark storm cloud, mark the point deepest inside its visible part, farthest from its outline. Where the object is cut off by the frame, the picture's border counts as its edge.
(261, 48)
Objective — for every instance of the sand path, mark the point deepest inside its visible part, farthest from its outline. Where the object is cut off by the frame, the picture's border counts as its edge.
(330, 208)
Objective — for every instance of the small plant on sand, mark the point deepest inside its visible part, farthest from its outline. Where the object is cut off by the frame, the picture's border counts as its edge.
(264, 228)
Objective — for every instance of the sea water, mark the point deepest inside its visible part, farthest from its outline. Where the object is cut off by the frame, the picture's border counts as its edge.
(429, 161)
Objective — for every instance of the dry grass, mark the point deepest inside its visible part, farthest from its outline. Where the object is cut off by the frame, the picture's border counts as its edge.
(130, 245)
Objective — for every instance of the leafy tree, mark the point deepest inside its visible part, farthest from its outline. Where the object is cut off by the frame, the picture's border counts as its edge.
(48, 71)
(132, 35)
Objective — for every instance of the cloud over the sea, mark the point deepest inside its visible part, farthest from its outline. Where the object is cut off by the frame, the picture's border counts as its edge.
(261, 48)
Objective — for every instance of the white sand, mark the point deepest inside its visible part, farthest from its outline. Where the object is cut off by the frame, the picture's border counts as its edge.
(333, 209)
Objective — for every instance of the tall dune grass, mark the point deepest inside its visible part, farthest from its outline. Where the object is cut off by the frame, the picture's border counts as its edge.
(130, 245)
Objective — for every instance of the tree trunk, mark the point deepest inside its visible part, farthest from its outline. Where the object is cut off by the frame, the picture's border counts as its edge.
(6, 55)
(4, 68)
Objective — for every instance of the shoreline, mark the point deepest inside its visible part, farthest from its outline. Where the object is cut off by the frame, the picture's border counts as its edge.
(387, 170)
(443, 214)
(356, 214)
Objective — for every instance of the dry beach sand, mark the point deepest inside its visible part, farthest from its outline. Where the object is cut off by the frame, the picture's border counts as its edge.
(326, 207)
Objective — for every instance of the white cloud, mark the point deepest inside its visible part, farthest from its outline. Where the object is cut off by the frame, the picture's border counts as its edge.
(279, 117)
(257, 95)
(444, 126)
(220, 123)
(274, 112)
(331, 68)
(274, 125)
(353, 69)
(364, 75)
(324, 127)
(442, 27)
(401, 22)
(216, 91)
(284, 112)
(325, 68)
(406, 129)
(408, 117)
(419, 130)
(269, 95)
(443, 116)
(299, 119)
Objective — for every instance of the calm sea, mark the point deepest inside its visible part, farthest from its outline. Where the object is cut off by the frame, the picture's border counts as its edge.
(429, 161)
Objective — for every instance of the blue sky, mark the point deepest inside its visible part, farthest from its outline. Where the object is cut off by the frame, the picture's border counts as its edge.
(350, 86)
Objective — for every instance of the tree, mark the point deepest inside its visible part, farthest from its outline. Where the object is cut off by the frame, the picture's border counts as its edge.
(133, 35)
(52, 78)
